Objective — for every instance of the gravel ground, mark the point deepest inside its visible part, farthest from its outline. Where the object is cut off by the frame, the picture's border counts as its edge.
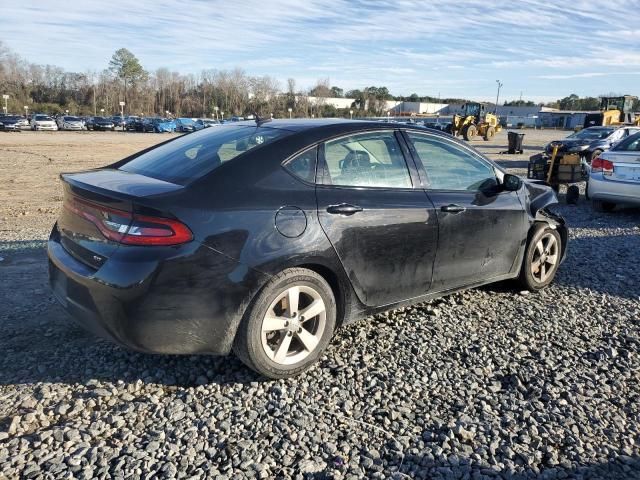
(483, 384)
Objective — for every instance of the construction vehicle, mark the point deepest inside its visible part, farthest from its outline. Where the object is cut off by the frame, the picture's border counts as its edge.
(475, 121)
(613, 111)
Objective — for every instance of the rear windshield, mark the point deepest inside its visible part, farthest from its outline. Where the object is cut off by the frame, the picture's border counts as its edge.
(629, 144)
(192, 156)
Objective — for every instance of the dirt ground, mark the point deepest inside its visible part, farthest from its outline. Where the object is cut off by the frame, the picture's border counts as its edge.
(31, 162)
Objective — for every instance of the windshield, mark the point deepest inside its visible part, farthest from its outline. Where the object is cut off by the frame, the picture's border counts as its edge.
(629, 144)
(592, 133)
(11, 118)
(192, 156)
(186, 121)
(43, 118)
(71, 119)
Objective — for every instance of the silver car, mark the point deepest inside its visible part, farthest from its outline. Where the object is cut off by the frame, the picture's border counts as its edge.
(70, 123)
(614, 177)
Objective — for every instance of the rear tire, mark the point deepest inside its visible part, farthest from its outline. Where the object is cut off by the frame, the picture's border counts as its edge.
(600, 206)
(274, 338)
(541, 258)
(573, 194)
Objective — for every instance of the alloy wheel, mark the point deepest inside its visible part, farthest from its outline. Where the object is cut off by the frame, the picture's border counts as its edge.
(293, 325)
(545, 258)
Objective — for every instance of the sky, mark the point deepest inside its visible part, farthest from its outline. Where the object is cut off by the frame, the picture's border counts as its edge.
(542, 50)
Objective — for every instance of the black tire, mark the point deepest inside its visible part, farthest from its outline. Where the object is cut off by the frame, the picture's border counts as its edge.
(595, 154)
(600, 206)
(248, 344)
(528, 279)
(573, 194)
(469, 132)
(489, 134)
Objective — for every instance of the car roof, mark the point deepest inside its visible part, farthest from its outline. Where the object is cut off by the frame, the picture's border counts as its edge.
(297, 125)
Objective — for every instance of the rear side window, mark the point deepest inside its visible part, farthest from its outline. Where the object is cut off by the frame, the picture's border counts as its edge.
(192, 156)
(371, 159)
(303, 165)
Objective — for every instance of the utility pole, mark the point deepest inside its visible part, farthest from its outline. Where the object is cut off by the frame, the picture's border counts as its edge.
(497, 96)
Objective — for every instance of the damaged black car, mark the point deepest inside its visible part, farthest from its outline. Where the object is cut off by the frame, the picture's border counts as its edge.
(590, 142)
(264, 237)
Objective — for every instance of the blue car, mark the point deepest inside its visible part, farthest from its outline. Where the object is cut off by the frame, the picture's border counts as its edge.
(159, 125)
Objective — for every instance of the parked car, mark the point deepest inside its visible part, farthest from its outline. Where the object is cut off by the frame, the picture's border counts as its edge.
(614, 177)
(70, 123)
(118, 121)
(43, 122)
(134, 124)
(13, 123)
(206, 123)
(591, 142)
(313, 225)
(159, 125)
(100, 123)
(185, 125)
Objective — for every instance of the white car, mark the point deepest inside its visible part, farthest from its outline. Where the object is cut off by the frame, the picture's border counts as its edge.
(43, 122)
(67, 122)
(614, 177)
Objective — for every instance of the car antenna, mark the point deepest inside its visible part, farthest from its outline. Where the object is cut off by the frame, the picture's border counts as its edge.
(259, 120)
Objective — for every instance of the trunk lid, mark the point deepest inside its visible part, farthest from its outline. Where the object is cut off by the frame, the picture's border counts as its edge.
(97, 209)
(626, 166)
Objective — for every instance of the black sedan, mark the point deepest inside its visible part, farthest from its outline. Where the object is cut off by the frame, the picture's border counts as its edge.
(590, 142)
(264, 237)
(100, 123)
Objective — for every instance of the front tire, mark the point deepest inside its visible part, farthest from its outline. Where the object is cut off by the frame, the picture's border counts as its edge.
(541, 258)
(288, 325)
(489, 134)
(469, 132)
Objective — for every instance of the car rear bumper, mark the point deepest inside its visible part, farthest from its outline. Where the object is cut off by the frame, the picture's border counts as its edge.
(171, 300)
(614, 191)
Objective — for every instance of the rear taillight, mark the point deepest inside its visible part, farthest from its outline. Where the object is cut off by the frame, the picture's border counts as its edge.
(131, 229)
(600, 165)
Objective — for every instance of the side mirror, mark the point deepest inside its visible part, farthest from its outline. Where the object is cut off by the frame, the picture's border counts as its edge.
(511, 183)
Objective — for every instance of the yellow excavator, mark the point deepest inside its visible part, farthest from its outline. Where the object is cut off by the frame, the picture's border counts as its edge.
(475, 121)
(613, 111)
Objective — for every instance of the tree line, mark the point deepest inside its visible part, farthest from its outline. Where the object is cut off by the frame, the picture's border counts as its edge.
(51, 89)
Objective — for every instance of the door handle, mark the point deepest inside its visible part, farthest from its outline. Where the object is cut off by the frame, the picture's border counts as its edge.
(452, 208)
(344, 209)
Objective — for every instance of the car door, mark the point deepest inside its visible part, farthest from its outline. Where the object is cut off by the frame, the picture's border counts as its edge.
(481, 227)
(382, 228)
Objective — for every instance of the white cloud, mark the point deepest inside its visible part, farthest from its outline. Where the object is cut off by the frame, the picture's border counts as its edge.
(409, 45)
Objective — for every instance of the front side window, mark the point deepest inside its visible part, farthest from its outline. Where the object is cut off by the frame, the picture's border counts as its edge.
(192, 156)
(451, 167)
(371, 159)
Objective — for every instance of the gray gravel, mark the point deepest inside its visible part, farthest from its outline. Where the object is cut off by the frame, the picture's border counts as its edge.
(490, 383)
